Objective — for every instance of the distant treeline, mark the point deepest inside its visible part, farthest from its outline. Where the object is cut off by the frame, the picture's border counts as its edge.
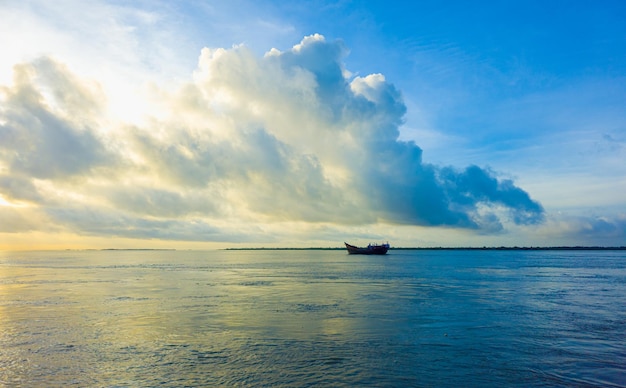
(285, 249)
(119, 249)
(559, 248)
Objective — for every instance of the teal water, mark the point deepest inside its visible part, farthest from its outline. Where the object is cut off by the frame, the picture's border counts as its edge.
(422, 318)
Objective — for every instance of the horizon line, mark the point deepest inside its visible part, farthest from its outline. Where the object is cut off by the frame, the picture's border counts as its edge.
(469, 248)
(513, 248)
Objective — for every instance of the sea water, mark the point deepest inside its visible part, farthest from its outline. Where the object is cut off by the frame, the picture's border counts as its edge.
(412, 318)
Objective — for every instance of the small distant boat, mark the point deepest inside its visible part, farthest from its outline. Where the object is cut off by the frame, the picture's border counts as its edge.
(374, 249)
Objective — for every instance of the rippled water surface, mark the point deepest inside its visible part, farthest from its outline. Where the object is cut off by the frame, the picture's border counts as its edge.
(313, 318)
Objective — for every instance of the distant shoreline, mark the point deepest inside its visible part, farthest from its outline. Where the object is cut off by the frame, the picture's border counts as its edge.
(557, 248)
(136, 249)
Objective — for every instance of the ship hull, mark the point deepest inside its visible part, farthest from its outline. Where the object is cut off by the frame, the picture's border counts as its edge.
(369, 250)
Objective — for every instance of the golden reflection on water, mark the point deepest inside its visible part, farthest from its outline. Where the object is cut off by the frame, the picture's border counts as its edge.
(109, 303)
(100, 317)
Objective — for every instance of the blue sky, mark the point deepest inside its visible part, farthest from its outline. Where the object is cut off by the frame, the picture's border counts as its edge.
(200, 124)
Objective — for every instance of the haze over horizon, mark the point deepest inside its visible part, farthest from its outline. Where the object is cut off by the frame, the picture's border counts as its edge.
(201, 124)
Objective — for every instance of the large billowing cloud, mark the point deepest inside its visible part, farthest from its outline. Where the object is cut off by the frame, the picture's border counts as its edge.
(291, 136)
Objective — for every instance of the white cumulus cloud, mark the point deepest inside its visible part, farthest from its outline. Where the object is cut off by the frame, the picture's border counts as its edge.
(248, 139)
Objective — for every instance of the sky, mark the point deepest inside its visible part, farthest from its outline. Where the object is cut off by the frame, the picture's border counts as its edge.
(209, 124)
